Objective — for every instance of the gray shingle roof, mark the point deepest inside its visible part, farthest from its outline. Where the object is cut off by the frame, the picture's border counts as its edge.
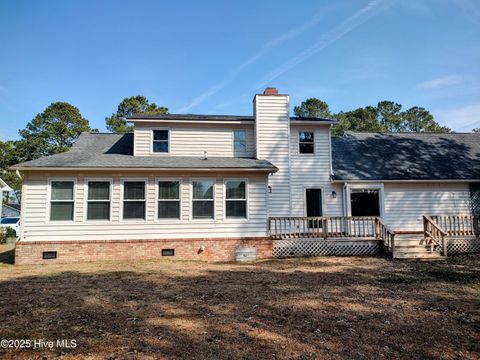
(406, 156)
(116, 151)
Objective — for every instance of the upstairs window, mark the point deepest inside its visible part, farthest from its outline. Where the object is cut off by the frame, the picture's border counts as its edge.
(306, 142)
(62, 201)
(134, 200)
(160, 141)
(169, 200)
(202, 200)
(236, 199)
(98, 201)
(239, 141)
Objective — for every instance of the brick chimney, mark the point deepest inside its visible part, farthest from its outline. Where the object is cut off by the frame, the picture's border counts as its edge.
(270, 91)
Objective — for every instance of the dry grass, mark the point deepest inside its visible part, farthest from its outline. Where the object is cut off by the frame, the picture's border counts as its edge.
(334, 308)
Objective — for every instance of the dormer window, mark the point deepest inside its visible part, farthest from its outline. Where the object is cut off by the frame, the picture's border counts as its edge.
(160, 141)
(306, 142)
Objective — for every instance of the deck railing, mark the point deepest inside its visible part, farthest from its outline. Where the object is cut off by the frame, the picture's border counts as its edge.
(382, 232)
(323, 227)
(458, 225)
(434, 235)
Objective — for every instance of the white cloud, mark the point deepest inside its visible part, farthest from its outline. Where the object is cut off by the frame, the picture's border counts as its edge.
(462, 119)
(441, 82)
(372, 8)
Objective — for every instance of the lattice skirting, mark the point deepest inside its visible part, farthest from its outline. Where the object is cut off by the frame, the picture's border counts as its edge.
(463, 246)
(319, 247)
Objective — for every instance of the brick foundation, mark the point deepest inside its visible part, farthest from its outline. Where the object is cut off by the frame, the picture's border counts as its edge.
(185, 249)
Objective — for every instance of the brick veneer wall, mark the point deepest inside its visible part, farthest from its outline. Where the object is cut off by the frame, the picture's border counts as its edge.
(185, 249)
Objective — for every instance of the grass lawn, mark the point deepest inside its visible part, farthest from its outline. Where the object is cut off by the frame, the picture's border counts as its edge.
(317, 308)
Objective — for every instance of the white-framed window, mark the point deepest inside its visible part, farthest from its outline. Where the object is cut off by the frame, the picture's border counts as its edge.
(62, 200)
(306, 142)
(203, 195)
(168, 199)
(239, 141)
(236, 199)
(98, 199)
(134, 199)
(160, 141)
(365, 200)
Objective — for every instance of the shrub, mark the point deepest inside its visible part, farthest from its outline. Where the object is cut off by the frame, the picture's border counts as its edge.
(11, 232)
(3, 236)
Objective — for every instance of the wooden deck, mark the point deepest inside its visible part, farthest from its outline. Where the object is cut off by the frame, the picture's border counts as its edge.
(338, 235)
(347, 235)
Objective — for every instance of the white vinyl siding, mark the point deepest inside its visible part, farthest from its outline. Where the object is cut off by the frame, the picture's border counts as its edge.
(272, 129)
(406, 203)
(37, 227)
(194, 140)
(313, 171)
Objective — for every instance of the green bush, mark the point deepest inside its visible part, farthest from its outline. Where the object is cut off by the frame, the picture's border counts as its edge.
(11, 232)
(3, 236)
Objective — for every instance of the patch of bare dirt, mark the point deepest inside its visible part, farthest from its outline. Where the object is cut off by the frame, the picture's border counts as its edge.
(322, 308)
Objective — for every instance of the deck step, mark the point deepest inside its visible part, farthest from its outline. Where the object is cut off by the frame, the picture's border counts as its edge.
(419, 256)
(407, 242)
(413, 248)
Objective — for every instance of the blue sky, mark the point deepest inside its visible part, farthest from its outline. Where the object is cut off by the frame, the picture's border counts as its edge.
(213, 56)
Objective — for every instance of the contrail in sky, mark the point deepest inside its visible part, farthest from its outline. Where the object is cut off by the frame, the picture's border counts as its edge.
(358, 18)
(291, 34)
(336, 33)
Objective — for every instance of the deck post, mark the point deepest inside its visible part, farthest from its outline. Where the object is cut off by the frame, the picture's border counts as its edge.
(325, 228)
(444, 245)
(392, 242)
(476, 225)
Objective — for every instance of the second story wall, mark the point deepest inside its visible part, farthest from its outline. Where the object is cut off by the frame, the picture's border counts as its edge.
(188, 139)
(313, 171)
(272, 128)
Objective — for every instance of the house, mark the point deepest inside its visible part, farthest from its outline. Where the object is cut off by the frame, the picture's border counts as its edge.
(201, 187)
(4, 188)
(10, 210)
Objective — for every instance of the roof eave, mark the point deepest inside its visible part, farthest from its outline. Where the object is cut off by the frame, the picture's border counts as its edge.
(313, 122)
(404, 180)
(212, 169)
(212, 121)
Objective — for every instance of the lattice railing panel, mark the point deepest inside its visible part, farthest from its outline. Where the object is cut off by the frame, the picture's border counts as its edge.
(321, 247)
(463, 246)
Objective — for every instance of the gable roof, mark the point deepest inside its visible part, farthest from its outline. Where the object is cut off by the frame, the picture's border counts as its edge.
(112, 151)
(406, 156)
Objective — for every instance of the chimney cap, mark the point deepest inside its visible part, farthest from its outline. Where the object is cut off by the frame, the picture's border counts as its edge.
(270, 91)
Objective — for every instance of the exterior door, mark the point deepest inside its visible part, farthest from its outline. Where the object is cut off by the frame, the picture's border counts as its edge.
(313, 198)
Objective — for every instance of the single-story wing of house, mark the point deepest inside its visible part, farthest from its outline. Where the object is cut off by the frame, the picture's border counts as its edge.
(215, 188)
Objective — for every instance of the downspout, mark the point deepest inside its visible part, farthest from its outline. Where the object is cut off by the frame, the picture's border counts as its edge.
(330, 148)
(345, 206)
